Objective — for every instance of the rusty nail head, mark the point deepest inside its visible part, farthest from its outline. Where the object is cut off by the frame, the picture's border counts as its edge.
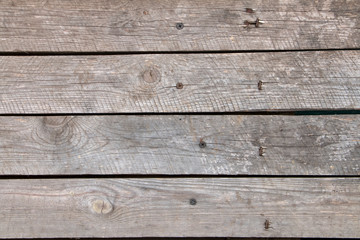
(257, 22)
(179, 85)
(261, 151)
(249, 10)
(179, 26)
(193, 201)
(267, 224)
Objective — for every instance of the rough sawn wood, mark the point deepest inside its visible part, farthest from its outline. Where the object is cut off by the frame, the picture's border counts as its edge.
(298, 207)
(291, 145)
(289, 81)
(150, 25)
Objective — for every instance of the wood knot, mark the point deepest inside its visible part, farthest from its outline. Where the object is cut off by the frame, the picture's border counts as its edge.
(152, 75)
(102, 206)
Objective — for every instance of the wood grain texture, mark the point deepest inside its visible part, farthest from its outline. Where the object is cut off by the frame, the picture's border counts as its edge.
(294, 207)
(211, 82)
(292, 145)
(150, 25)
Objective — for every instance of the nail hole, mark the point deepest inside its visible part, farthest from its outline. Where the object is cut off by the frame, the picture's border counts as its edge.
(179, 85)
(202, 144)
(179, 26)
(260, 85)
(193, 201)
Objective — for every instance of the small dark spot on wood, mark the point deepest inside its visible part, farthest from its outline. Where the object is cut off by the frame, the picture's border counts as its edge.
(202, 144)
(193, 201)
(267, 224)
(261, 151)
(179, 26)
(145, 12)
(179, 85)
(249, 10)
(260, 85)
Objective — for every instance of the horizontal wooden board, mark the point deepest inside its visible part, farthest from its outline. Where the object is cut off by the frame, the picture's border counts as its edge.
(291, 145)
(150, 25)
(208, 82)
(196, 207)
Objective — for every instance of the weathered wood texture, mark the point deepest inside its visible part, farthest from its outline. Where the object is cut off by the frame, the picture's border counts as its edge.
(319, 207)
(150, 25)
(292, 145)
(211, 82)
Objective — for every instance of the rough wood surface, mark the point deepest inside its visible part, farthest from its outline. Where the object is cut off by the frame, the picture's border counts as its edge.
(150, 25)
(291, 145)
(297, 207)
(211, 82)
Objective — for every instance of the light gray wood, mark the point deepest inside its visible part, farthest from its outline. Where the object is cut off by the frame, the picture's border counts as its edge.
(150, 25)
(211, 82)
(294, 207)
(292, 145)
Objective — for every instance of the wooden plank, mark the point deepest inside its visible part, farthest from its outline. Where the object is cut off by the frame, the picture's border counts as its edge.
(292, 145)
(210, 82)
(196, 207)
(150, 25)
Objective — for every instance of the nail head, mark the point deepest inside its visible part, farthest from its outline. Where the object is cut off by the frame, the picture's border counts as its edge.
(193, 201)
(179, 26)
(261, 151)
(202, 144)
(179, 85)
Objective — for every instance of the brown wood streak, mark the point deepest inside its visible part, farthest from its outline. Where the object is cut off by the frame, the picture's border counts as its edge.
(298, 207)
(150, 25)
(291, 145)
(210, 83)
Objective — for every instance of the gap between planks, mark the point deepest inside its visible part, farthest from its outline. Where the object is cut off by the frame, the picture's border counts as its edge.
(29, 54)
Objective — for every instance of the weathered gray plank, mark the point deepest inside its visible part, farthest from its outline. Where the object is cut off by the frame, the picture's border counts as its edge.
(150, 25)
(292, 145)
(319, 207)
(211, 82)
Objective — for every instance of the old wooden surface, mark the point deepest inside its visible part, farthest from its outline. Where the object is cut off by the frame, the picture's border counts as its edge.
(210, 82)
(74, 163)
(298, 207)
(150, 25)
(291, 145)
